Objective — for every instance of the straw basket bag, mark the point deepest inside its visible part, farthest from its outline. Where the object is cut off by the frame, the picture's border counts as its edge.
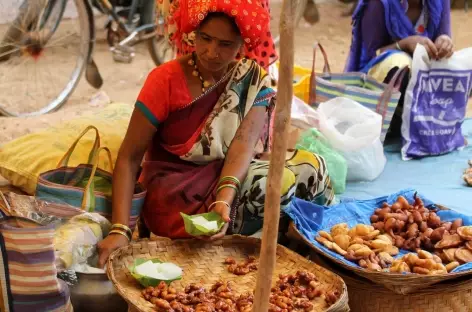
(202, 262)
(398, 283)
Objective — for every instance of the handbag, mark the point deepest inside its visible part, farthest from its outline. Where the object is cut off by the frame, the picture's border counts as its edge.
(379, 97)
(28, 276)
(86, 186)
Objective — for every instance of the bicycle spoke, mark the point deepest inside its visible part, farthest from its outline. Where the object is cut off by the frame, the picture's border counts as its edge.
(55, 41)
(11, 73)
(8, 52)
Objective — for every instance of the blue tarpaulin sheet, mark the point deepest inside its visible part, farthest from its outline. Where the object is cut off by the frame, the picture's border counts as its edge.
(310, 218)
(438, 178)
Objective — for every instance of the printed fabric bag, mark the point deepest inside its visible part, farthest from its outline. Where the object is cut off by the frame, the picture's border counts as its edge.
(436, 104)
(379, 97)
(86, 186)
(28, 275)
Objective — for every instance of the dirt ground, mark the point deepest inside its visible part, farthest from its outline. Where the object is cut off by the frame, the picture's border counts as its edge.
(122, 82)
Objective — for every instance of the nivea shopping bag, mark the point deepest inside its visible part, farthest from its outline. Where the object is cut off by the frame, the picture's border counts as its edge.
(436, 103)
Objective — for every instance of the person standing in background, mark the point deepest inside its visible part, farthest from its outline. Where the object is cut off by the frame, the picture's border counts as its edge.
(385, 34)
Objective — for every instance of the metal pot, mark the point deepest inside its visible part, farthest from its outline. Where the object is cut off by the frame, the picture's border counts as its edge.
(95, 293)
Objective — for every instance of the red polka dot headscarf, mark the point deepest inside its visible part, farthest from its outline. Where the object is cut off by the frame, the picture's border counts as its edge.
(250, 16)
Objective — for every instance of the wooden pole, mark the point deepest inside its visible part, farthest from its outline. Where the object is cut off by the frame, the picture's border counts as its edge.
(277, 159)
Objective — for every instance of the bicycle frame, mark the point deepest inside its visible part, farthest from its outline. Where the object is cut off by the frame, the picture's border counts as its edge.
(106, 7)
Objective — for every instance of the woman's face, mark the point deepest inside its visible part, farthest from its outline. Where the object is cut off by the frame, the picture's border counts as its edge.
(217, 44)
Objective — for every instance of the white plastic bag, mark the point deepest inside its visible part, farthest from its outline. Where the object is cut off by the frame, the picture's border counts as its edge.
(354, 130)
(303, 117)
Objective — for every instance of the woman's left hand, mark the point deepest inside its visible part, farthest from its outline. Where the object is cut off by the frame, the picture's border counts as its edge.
(445, 46)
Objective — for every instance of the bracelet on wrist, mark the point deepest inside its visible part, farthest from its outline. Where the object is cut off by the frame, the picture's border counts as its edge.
(219, 202)
(227, 186)
(120, 233)
(122, 227)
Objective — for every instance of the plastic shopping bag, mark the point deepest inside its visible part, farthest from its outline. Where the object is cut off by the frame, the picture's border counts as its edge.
(313, 141)
(435, 104)
(354, 130)
(303, 116)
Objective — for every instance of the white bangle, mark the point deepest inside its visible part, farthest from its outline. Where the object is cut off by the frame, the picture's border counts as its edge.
(219, 202)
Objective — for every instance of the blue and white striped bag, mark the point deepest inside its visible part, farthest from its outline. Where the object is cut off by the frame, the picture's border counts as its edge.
(86, 186)
(379, 97)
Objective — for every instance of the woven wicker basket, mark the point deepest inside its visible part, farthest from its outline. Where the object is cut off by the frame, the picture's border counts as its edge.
(203, 263)
(366, 296)
(396, 282)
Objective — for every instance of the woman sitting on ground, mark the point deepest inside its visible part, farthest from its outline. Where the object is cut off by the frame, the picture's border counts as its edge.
(204, 121)
(383, 28)
(386, 32)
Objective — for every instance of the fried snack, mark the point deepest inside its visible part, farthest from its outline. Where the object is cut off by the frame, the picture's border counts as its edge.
(465, 232)
(424, 263)
(386, 238)
(399, 266)
(455, 225)
(468, 245)
(449, 241)
(463, 255)
(358, 231)
(413, 226)
(449, 255)
(421, 270)
(380, 244)
(410, 259)
(339, 229)
(243, 268)
(338, 249)
(355, 247)
(291, 293)
(423, 254)
(451, 266)
(326, 235)
(343, 241)
(356, 240)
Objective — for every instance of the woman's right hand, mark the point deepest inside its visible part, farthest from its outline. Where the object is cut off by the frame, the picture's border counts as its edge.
(409, 45)
(108, 245)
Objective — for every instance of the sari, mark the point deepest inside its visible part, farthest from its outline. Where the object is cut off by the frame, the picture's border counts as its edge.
(183, 163)
(379, 23)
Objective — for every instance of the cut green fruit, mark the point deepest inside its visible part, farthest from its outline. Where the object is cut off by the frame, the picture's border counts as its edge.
(152, 272)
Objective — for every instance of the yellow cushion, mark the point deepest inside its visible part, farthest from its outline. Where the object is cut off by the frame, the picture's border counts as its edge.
(23, 159)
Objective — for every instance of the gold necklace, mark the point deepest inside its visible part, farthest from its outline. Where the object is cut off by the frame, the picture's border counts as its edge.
(196, 72)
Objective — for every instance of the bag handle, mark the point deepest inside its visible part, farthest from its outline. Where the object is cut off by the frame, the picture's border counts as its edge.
(326, 70)
(393, 86)
(88, 201)
(65, 159)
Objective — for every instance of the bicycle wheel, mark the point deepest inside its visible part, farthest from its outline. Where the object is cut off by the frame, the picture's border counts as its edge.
(275, 11)
(159, 48)
(44, 47)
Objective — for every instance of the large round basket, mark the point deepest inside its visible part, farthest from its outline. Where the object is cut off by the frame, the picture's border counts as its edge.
(366, 296)
(398, 283)
(202, 262)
